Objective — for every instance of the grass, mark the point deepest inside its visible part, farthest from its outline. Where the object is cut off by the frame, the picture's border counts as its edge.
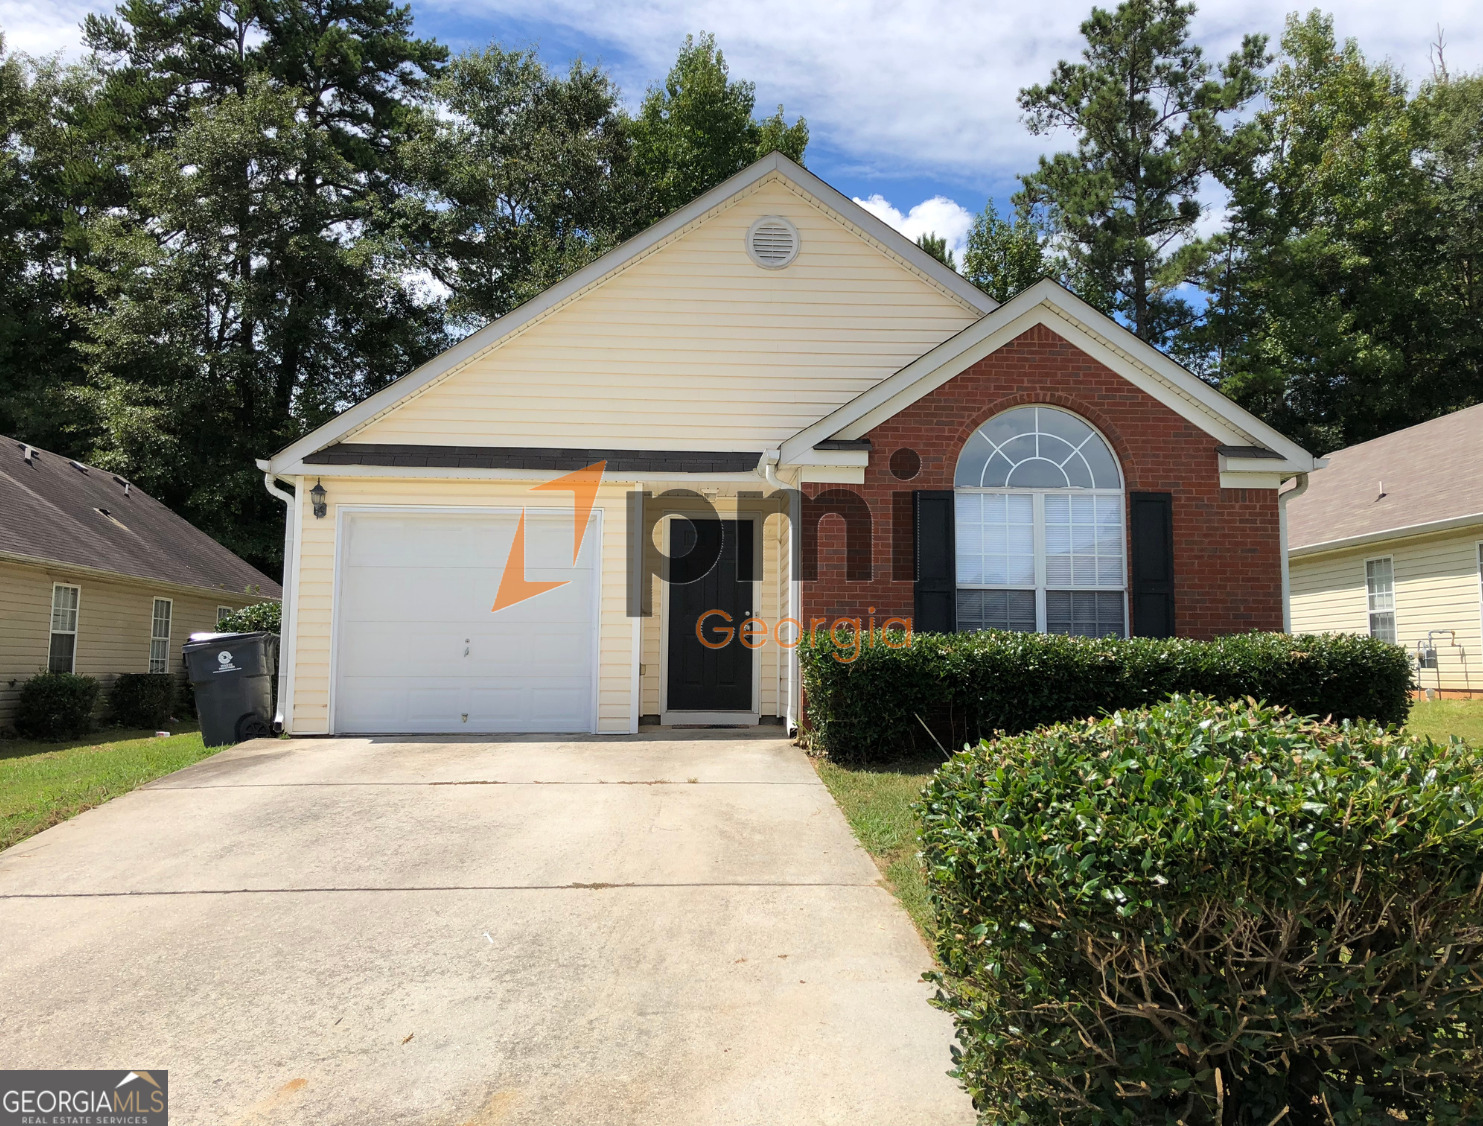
(877, 800)
(43, 784)
(877, 803)
(1441, 718)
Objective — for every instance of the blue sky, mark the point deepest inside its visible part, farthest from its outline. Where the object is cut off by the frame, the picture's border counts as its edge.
(913, 102)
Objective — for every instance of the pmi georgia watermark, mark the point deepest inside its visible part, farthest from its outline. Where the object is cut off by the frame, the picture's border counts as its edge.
(754, 633)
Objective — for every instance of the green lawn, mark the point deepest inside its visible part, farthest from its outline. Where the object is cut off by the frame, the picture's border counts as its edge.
(876, 801)
(1441, 718)
(42, 784)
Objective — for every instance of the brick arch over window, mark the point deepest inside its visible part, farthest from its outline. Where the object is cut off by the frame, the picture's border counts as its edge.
(1072, 404)
(1227, 558)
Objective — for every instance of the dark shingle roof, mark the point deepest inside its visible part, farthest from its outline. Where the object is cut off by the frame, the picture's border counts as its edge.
(1428, 473)
(63, 512)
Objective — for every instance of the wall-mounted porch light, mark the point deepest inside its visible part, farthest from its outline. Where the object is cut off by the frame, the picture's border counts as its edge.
(317, 495)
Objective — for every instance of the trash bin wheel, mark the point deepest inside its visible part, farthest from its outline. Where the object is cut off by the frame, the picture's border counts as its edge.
(253, 727)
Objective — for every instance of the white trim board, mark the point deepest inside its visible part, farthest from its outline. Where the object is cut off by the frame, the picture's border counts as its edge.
(1046, 303)
(774, 167)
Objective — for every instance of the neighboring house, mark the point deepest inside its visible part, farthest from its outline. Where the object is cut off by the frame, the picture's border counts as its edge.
(100, 579)
(961, 464)
(1388, 540)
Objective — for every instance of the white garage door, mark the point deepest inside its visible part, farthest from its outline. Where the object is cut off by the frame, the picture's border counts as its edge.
(418, 649)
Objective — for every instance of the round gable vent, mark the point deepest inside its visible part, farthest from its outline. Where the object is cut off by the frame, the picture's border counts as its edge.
(772, 242)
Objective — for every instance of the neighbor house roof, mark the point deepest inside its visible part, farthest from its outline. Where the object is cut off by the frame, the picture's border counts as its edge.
(1427, 477)
(53, 510)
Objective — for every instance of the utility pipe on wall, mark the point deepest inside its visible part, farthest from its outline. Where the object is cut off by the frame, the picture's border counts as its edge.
(1282, 499)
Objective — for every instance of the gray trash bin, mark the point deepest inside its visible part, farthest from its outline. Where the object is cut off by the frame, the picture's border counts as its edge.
(232, 674)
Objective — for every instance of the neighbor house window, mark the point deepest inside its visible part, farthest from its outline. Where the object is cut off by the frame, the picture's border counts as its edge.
(159, 636)
(1039, 527)
(1380, 590)
(222, 612)
(63, 654)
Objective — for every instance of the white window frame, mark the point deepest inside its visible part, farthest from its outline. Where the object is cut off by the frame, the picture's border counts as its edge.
(222, 612)
(1370, 611)
(163, 661)
(1038, 501)
(76, 611)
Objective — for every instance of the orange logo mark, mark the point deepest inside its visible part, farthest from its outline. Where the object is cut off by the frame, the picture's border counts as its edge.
(513, 585)
(582, 484)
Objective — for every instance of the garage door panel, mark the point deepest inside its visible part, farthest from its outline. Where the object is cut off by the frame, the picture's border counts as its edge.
(419, 649)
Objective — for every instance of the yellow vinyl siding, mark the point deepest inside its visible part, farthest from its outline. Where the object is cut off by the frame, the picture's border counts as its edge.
(1436, 588)
(316, 585)
(113, 624)
(692, 346)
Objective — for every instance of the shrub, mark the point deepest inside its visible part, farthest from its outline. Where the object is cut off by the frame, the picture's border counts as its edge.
(142, 699)
(259, 616)
(1212, 913)
(966, 686)
(56, 705)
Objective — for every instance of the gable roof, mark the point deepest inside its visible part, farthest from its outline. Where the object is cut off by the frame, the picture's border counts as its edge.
(776, 166)
(1426, 477)
(1094, 333)
(60, 511)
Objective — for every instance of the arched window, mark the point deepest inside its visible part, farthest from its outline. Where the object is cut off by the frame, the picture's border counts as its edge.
(1040, 543)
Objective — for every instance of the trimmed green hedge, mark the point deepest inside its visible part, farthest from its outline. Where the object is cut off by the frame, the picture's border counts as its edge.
(967, 686)
(142, 699)
(1208, 913)
(56, 705)
(250, 619)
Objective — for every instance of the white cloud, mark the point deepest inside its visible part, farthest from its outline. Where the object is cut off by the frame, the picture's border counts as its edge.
(936, 216)
(893, 88)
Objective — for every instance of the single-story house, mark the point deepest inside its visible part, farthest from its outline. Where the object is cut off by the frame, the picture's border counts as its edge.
(1388, 541)
(460, 543)
(98, 578)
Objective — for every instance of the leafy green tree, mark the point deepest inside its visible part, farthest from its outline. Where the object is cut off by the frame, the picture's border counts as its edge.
(697, 129)
(253, 283)
(935, 245)
(1324, 314)
(527, 176)
(43, 172)
(1006, 255)
(1453, 164)
(1148, 114)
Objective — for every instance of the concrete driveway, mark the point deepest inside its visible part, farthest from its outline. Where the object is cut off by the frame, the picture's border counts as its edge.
(675, 927)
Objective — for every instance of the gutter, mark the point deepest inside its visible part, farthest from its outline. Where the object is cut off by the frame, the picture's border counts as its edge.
(1405, 531)
(62, 566)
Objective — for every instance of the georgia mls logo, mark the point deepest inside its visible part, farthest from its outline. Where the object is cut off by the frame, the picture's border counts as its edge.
(514, 587)
(84, 1098)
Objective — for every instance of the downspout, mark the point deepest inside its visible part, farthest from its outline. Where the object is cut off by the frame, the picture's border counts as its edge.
(1282, 499)
(767, 469)
(284, 656)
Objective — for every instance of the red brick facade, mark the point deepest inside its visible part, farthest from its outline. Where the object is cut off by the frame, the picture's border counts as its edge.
(1227, 564)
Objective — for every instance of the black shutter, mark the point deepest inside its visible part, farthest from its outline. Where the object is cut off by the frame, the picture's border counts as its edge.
(936, 562)
(1151, 519)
